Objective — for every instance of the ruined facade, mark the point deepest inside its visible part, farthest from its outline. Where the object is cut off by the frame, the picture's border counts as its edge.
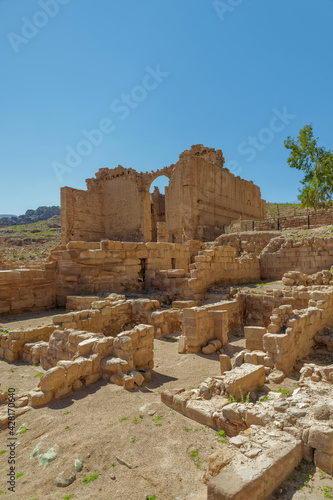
(201, 199)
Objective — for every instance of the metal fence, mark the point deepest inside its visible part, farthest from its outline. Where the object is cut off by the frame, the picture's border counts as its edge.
(306, 221)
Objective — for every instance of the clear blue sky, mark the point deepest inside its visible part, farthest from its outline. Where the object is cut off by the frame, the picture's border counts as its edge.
(223, 74)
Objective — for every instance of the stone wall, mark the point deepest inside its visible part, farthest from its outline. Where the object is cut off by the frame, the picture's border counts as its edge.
(257, 308)
(310, 255)
(253, 242)
(27, 290)
(12, 344)
(212, 196)
(220, 266)
(291, 333)
(95, 268)
(74, 359)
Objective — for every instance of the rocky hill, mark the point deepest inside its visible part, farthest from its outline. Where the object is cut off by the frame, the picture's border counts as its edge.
(28, 244)
(42, 213)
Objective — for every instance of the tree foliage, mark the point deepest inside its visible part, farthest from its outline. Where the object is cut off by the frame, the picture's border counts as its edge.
(317, 164)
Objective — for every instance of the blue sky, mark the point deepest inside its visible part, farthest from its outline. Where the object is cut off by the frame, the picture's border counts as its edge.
(156, 76)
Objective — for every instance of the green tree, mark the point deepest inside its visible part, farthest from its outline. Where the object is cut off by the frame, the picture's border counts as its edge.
(317, 164)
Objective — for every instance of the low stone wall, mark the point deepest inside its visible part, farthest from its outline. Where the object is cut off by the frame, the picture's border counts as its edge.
(95, 268)
(12, 343)
(281, 255)
(250, 242)
(258, 307)
(220, 266)
(108, 316)
(24, 290)
(291, 333)
(74, 359)
(213, 266)
(78, 303)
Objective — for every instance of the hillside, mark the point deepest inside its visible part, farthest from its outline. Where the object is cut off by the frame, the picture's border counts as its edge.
(28, 244)
(41, 213)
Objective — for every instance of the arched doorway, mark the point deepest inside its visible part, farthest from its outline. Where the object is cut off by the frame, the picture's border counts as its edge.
(157, 192)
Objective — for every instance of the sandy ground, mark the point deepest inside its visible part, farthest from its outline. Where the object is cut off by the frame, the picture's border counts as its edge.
(166, 450)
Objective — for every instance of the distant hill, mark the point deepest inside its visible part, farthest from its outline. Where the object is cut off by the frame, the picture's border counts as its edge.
(42, 213)
(7, 215)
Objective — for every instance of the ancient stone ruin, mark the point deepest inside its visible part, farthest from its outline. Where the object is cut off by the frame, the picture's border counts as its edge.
(201, 199)
(136, 267)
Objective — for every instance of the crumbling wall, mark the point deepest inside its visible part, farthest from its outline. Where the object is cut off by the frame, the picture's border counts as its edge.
(74, 359)
(291, 334)
(220, 266)
(94, 268)
(27, 290)
(258, 307)
(12, 344)
(82, 214)
(253, 242)
(309, 255)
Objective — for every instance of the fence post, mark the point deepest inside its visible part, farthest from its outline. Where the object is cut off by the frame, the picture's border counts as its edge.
(278, 221)
(253, 225)
(308, 221)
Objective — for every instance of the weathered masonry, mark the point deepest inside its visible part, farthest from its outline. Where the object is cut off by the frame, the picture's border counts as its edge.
(201, 199)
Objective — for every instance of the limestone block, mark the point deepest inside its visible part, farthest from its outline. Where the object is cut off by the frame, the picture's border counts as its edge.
(258, 478)
(200, 411)
(209, 349)
(62, 318)
(308, 454)
(182, 344)
(53, 379)
(167, 398)
(111, 365)
(77, 384)
(62, 391)
(176, 273)
(244, 379)
(321, 438)
(138, 378)
(216, 343)
(103, 346)
(85, 366)
(180, 400)
(324, 461)
(231, 413)
(239, 359)
(250, 357)
(91, 379)
(72, 370)
(128, 382)
(225, 363)
(40, 398)
(86, 346)
(11, 356)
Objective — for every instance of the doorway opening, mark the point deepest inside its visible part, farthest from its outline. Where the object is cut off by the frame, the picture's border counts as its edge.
(158, 191)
